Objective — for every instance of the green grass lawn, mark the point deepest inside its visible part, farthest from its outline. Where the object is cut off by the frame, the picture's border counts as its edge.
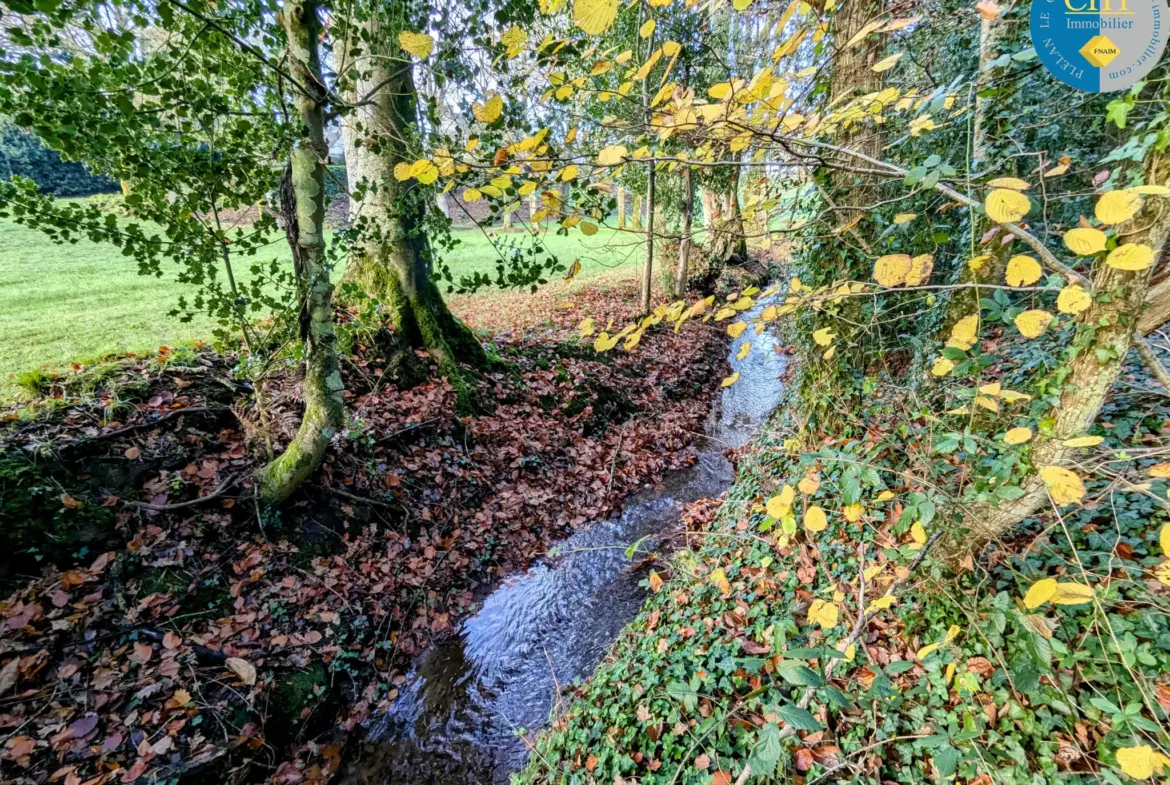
(61, 304)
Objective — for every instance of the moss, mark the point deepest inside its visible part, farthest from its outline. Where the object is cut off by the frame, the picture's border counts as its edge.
(301, 704)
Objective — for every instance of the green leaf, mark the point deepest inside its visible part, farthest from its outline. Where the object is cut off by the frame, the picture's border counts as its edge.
(799, 718)
(799, 674)
(766, 752)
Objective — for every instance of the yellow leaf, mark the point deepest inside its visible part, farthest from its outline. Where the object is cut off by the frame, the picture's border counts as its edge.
(1085, 241)
(612, 155)
(1130, 257)
(886, 63)
(472, 195)
(1011, 183)
(808, 485)
(892, 269)
(921, 267)
(588, 229)
(1011, 396)
(594, 16)
(942, 366)
(829, 353)
(1073, 299)
(1064, 485)
(976, 263)
(425, 171)
(735, 329)
(1117, 207)
(1018, 436)
(1137, 762)
(1151, 190)
(1164, 539)
(740, 5)
(1032, 324)
(488, 111)
(745, 348)
(655, 582)
(823, 336)
(513, 40)
(569, 172)
(814, 519)
(1068, 593)
(1161, 471)
(963, 333)
(719, 91)
(781, 504)
(1039, 593)
(918, 534)
(586, 327)
(730, 380)
(671, 48)
(850, 651)
(927, 650)
(1004, 206)
(952, 633)
(647, 28)
(1023, 271)
(881, 603)
(852, 512)
(903, 218)
(885, 496)
(823, 613)
(1084, 441)
(719, 578)
(603, 342)
(418, 44)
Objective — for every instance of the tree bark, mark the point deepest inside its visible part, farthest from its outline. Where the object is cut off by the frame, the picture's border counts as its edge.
(1106, 329)
(621, 207)
(322, 387)
(853, 76)
(723, 221)
(647, 269)
(391, 255)
(682, 272)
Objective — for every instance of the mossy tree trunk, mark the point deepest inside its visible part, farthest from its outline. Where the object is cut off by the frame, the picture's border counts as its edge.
(322, 387)
(391, 259)
(1105, 334)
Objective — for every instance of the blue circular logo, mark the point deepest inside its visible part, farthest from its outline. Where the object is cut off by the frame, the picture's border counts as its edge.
(1099, 45)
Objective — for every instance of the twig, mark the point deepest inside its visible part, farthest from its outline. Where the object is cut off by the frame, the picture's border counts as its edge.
(189, 503)
(613, 463)
(353, 497)
(407, 429)
(1152, 361)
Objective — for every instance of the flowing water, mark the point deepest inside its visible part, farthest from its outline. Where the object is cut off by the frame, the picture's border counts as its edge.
(466, 705)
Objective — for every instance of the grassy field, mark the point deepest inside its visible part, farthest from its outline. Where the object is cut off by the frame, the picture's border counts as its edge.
(61, 304)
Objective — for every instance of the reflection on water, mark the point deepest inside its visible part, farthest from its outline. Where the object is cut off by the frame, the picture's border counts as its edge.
(459, 717)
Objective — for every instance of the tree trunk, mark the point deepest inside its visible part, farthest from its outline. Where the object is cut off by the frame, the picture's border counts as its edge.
(853, 75)
(683, 272)
(636, 213)
(392, 255)
(966, 301)
(322, 387)
(1106, 329)
(724, 222)
(621, 207)
(647, 269)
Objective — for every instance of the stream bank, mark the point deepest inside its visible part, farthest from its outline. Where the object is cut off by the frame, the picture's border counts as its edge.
(470, 706)
(386, 549)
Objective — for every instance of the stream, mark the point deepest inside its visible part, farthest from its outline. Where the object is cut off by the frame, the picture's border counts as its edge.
(468, 702)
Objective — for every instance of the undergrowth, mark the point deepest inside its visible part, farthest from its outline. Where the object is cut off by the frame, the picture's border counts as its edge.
(721, 679)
